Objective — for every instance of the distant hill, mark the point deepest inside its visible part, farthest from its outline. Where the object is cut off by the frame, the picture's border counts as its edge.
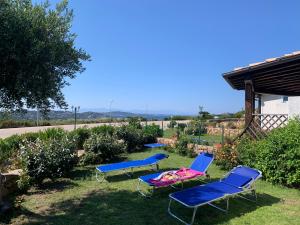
(64, 115)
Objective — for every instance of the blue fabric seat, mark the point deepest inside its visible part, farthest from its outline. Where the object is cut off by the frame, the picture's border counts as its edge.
(154, 145)
(239, 180)
(152, 160)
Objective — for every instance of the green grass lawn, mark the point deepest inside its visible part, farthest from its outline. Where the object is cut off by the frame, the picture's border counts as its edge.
(82, 200)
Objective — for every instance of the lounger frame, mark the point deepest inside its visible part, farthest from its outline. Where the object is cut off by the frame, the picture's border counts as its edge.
(250, 187)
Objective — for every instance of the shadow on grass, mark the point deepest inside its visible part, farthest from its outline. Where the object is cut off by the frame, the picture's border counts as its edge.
(125, 207)
(135, 174)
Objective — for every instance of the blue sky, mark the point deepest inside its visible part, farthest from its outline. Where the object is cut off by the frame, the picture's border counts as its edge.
(169, 55)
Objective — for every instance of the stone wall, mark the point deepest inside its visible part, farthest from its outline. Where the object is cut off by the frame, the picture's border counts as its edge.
(197, 148)
(10, 182)
(227, 132)
(167, 141)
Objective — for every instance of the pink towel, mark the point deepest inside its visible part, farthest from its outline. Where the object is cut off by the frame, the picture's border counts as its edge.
(171, 177)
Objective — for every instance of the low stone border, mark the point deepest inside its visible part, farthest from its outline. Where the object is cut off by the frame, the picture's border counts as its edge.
(197, 148)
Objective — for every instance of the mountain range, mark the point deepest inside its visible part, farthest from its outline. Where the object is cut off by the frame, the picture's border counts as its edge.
(64, 115)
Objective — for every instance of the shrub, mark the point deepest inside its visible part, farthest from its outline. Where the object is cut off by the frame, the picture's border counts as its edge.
(226, 157)
(277, 156)
(52, 133)
(172, 123)
(181, 147)
(8, 150)
(80, 135)
(132, 136)
(181, 126)
(103, 148)
(106, 130)
(151, 133)
(195, 127)
(47, 159)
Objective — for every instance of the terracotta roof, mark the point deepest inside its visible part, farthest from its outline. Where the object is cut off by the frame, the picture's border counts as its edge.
(252, 65)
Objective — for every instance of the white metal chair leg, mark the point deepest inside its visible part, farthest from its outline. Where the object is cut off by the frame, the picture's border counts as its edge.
(151, 192)
(100, 177)
(181, 220)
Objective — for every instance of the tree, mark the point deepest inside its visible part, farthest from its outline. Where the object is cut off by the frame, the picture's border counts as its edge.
(37, 54)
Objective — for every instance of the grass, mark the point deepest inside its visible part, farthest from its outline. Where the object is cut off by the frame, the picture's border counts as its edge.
(82, 200)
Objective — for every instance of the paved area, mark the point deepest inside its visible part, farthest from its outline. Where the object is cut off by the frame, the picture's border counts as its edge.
(4, 133)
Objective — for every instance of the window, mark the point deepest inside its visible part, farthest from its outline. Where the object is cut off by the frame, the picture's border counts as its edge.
(285, 99)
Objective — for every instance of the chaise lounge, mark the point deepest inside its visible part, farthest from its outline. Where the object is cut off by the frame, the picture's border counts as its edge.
(152, 161)
(238, 181)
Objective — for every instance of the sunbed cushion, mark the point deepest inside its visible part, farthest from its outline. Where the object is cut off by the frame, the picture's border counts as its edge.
(202, 162)
(205, 193)
(237, 180)
(155, 145)
(130, 164)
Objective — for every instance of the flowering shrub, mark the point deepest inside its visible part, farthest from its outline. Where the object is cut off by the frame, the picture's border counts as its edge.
(102, 148)
(47, 159)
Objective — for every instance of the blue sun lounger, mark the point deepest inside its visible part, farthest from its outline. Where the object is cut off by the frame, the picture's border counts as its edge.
(200, 164)
(154, 145)
(238, 181)
(151, 161)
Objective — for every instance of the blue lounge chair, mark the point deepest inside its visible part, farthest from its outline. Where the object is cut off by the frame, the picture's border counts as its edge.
(154, 145)
(152, 161)
(200, 164)
(238, 181)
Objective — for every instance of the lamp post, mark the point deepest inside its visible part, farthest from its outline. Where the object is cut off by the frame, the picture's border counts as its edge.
(110, 116)
(75, 110)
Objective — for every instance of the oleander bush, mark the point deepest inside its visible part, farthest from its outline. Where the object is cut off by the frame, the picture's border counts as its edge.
(102, 148)
(132, 136)
(51, 159)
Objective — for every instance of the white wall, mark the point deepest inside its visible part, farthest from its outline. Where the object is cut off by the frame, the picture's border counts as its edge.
(294, 106)
(273, 104)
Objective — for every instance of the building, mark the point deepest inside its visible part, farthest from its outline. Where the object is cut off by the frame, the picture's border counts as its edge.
(276, 104)
(272, 90)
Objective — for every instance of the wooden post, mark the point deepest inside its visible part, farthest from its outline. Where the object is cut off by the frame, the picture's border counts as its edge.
(249, 101)
(259, 105)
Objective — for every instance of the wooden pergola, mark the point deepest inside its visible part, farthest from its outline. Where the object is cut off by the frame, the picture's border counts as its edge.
(276, 76)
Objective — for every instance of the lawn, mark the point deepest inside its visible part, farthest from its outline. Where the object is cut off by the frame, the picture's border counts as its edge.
(82, 200)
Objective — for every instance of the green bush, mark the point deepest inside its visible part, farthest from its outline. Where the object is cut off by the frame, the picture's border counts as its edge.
(103, 147)
(181, 147)
(195, 127)
(52, 133)
(132, 136)
(80, 135)
(277, 156)
(151, 133)
(226, 157)
(42, 159)
(172, 123)
(106, 130)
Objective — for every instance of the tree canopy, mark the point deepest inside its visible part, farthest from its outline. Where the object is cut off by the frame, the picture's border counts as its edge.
(37, 54)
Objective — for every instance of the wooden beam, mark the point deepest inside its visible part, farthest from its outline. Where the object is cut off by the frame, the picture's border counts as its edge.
(249, 101)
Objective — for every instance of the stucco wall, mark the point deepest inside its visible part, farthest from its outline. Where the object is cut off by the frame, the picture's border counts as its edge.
(294, 106)
(273, 104)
